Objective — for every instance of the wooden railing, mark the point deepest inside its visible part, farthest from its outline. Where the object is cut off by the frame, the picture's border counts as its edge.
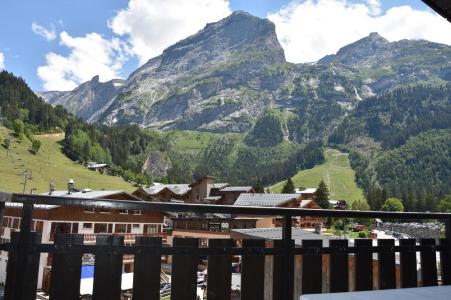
(91, 237)
(279, 277)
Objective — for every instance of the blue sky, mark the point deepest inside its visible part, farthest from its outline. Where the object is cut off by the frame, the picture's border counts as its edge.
(57, 44)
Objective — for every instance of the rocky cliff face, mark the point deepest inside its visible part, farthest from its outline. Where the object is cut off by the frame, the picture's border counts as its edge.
(383, 65)
(225, 76)
(87, 99)
(209, 81)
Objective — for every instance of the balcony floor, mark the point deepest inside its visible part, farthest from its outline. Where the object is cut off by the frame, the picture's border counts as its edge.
(430, 293)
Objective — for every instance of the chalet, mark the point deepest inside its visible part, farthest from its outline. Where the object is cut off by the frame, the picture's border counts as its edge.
(339, 204)
(164, 192)
(229, 194)
(307, 194)
(203, 190)
(101, 168)
(282, 200)
(52, 219)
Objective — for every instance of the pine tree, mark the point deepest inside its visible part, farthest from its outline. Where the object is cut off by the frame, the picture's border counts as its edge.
(259, 187)
(322, 195)
(410, 202)
(288, 188)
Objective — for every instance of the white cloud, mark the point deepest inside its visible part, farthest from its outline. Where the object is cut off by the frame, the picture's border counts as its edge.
(89, 56)
(309, 30)
(2, 61)
(48, 34)
(153, 25)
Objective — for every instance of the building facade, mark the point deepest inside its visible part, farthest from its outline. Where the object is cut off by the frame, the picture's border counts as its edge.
(51, 219)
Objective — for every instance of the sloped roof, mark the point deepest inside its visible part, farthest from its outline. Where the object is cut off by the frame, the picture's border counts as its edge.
(267, 200)
(307, 191)
(304, 203)
(86, 195)
(275, 233)
(212, 198)
(220, 185)
(237, 189)
(178, 189)
(442, 7)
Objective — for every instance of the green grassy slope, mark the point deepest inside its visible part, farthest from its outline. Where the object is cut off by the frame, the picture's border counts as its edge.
(336, 173)
(49, 164)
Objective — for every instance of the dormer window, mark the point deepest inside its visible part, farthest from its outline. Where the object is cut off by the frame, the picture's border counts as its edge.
(104, 211)
(89, 210)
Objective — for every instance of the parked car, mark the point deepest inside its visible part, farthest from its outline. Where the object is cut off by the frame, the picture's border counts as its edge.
(165, 289)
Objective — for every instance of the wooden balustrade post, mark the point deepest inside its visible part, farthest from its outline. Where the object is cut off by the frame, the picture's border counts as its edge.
(363, 265)
(23, 263)
(147, 270)
(445, 254)
(219, 271)
(312, 268)
(66, 269)
(408, 261)
(253, 272)
(287, 259)
(108, 269)
(184, 271)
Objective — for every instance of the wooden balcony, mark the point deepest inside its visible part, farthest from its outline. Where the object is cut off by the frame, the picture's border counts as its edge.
(279, 271)
(128, 237)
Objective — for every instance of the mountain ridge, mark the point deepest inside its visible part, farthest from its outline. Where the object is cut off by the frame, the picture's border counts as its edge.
(223, 78)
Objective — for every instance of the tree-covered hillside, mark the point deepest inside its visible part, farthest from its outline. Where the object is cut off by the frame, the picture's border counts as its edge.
(399, 145)
(18, 102)
(421, 164)
(393, 117)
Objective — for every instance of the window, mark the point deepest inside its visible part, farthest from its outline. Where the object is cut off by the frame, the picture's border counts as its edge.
(5, 222)
(89, 210)
(137, 212)
(120, 228)
(104, 211)
(100, 228)
(87, 225)
(123, 211)
(16, 224)
(136, 226)
(150, 228)
(39, 226)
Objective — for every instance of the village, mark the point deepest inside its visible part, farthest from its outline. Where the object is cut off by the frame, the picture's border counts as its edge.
(95, 224)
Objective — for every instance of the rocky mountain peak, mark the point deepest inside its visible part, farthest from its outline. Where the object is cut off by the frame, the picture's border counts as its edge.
(95, 79)
(239, 33)
(358, 51)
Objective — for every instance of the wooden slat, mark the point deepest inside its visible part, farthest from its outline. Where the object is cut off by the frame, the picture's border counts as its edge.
(252, 275)
(408, 262)
(66, 269)
(277, 279)
(363, 265)
(219, 271)
(22, 275)
(108, 270)
(387, 264)
(147, 271)
(184, 271)
(445, 262)
(428, 263)
(312, 266)
(339, 267)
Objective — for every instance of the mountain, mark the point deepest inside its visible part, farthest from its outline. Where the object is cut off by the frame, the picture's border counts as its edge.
(87, 99)
(384, 65)
(223, 78)
(209, 81)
